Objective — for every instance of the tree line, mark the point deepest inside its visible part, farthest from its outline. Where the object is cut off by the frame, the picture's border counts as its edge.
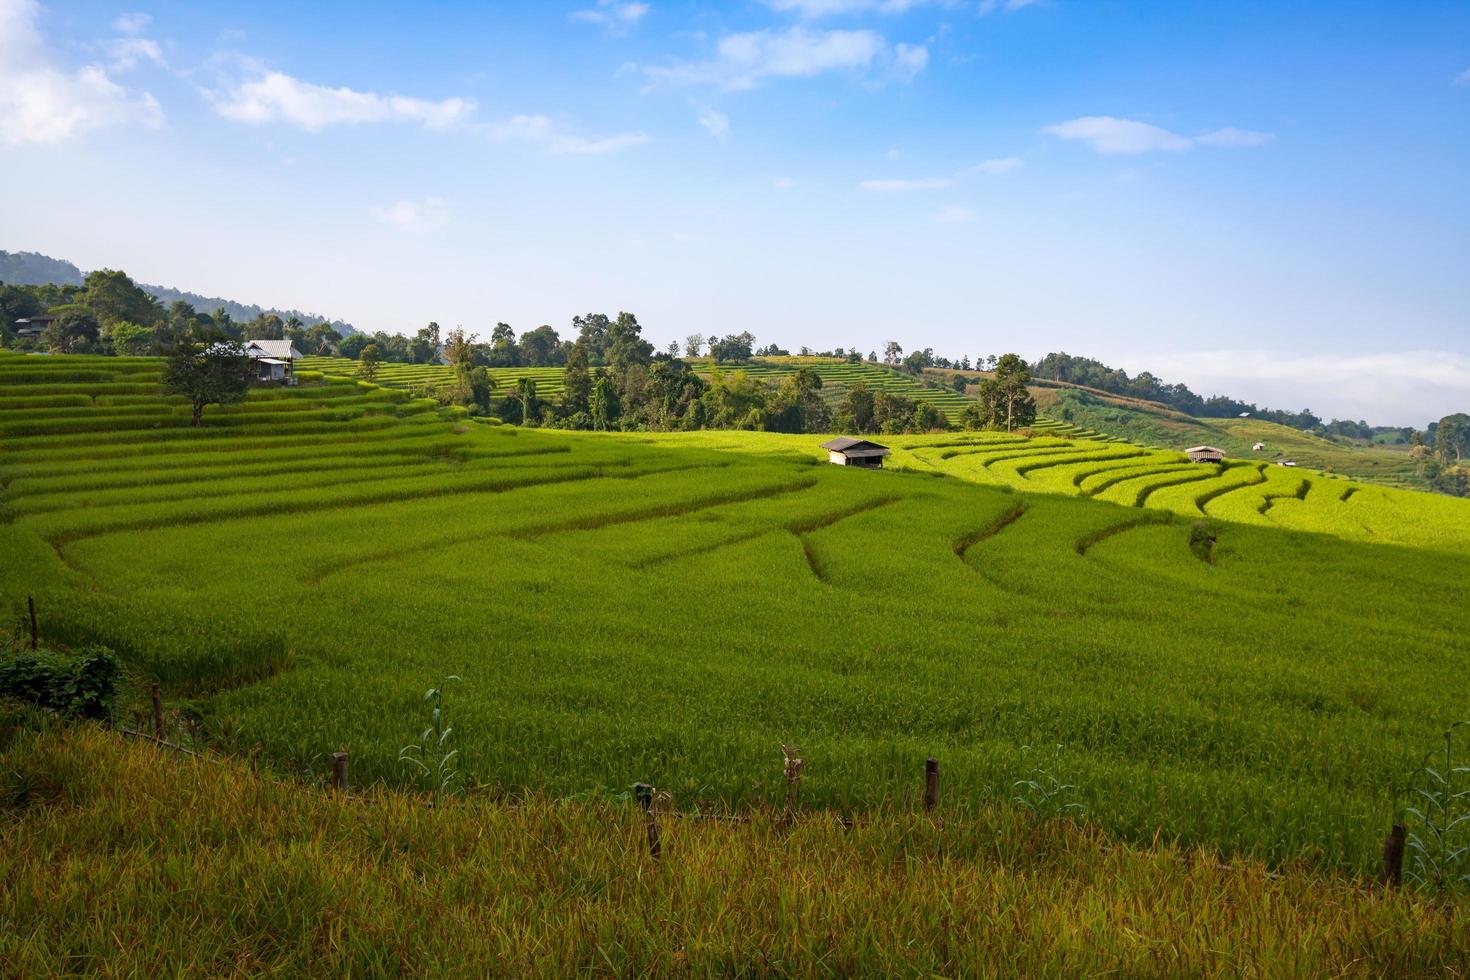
(109, 313)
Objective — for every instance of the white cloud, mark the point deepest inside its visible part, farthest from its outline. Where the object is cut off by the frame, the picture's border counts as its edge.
(127, 52)
(783, 183)
(743, 61)
(277, 97)
(1232, 137)
(909, 60)
(899, 185)
(1004, 6)
(716, 122)
(1108, 134)
(954, 214)
(132, 23)
(41, 103)
(1000, 165)
(615, 15)
(1463, 78)
(525, 127)
(533, 128)
(414, 216)
(832, 8)
(610, 144)
(1398, 388)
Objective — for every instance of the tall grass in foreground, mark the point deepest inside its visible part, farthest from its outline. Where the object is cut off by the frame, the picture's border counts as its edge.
(119, 859)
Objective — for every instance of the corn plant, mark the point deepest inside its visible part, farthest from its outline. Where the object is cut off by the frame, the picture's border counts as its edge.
(433, 758)
(1438, 842)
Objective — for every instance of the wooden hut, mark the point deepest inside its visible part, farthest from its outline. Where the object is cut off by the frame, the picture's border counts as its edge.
(847, 451)
(1204, 454)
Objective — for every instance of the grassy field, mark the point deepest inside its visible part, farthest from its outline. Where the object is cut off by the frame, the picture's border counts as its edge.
(673, 608)
(120, 860)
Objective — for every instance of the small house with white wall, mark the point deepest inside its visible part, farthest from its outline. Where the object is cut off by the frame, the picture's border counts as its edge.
(847, 451)
(274, 360)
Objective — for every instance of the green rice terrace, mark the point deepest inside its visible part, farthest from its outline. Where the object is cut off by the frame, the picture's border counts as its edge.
(1243, 655)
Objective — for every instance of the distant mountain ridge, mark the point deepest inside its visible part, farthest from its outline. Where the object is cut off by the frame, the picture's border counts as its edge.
(35, 269)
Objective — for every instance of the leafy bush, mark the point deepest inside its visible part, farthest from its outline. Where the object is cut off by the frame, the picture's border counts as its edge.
(83, 685)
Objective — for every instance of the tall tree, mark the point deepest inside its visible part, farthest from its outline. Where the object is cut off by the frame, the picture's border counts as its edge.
(113, 298)
(892, 352)
(693, 344)
(605, 407)
(541, 347)
(368, 360)
(577, 382)
(217, 374)
(1452, 437)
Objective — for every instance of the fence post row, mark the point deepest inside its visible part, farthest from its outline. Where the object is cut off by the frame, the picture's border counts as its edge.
(1393, 857)
(644, 792)
(931, 783)
(339, 772)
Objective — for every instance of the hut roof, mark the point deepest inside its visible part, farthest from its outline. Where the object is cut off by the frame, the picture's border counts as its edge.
(848, 446)
(272, 348)
(1205, 449)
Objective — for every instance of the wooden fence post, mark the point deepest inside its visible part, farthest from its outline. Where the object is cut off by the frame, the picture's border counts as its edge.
(931, 783)
(31, 605)
(157, 712)
(791, 770)
(339, 771)
(1393, 857)
(644, 792)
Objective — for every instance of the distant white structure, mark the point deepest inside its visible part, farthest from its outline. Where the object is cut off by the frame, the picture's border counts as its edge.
(274, 359)
(1286, 462)
(1245, 415)
(1258, 447)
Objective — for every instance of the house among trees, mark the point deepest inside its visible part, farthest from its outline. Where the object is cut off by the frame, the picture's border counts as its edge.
(1204, 454)
(847, 451)
(274, 359)
(34, 326)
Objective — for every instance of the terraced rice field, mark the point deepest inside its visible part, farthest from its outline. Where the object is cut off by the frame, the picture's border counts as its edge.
(409, 376)
(838, 375)
(673, 607)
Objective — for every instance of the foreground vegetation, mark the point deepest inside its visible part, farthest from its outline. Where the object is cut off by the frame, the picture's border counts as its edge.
(120, 859)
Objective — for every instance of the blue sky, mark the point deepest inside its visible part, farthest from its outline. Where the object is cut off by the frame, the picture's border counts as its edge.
(1264, 199)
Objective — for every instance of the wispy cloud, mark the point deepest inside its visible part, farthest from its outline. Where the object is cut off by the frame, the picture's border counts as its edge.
(414, 216)
(43, 103)
(812, 9)
(1463, 78)
(1230, 136)
(716, 123)
(743, 61)
(275, 97)
(135, 23)
(954, 214)
(783, 183)
(595, 147)
(535, 128)
(616, 16)
(903, 184)
(1000, 165)
(1005, 6)
(1107, 134)
(128, 52)
(1128, 137)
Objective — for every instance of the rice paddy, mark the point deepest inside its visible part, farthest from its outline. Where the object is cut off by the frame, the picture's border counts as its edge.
(673, 607)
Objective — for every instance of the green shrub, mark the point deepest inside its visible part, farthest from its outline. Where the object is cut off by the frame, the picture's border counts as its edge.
(83, 685)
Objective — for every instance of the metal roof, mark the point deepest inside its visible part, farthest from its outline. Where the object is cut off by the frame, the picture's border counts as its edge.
(848, 446)
(272, 348)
